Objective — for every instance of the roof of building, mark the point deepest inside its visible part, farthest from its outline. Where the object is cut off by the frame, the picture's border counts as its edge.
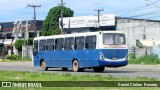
(10, 25)
(136, 19)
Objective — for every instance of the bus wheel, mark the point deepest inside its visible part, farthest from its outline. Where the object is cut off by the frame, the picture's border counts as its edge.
(75, 66)
(64, 69)
(98, 69)
(43, 65)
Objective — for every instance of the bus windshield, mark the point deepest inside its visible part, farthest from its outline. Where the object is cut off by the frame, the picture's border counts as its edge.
(114, 39)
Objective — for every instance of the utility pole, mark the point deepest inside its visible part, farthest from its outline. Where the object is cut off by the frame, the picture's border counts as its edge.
(61, 22)
(144, 29)
(98, 15)
(35, 24)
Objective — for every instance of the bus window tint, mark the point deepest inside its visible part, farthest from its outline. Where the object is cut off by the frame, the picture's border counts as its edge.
(108, 39)
(42, 44)
(59, 44)
(35, 45)
(79, 43)
(113, 39)
(90, 42)
(119, 39)
(69, 42)
(50, 44)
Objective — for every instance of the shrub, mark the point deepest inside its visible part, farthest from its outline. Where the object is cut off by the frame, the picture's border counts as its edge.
(146, 59)
(30, 41)
(132, 56)
(13, 57)
(18, 44)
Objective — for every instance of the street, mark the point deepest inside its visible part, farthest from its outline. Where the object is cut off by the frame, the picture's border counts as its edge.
(150, 71)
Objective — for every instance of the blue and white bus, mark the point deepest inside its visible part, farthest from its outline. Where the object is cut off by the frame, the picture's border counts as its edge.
(79, 51)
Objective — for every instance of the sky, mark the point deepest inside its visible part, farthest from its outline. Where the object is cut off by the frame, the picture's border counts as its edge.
(15, 10)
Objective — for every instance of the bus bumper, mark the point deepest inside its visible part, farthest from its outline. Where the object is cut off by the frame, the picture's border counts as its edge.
(113, 63)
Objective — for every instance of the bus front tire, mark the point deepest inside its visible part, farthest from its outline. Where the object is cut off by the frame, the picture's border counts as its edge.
(98, 69)
(43, 65)
(64, 69)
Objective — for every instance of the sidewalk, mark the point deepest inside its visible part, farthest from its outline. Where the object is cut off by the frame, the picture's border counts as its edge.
(140, 67)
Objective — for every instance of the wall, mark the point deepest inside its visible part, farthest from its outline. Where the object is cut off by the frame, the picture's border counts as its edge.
(138, 29)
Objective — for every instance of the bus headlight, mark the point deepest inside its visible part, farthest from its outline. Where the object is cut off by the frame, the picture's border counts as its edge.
(102, 56)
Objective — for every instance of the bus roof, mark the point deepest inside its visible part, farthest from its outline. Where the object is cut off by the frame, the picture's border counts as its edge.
(76, 34)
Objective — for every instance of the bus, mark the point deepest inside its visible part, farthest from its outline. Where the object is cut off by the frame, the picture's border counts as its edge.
(91, 50)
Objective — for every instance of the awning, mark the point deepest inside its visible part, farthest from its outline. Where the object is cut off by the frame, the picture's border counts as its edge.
(7, 42)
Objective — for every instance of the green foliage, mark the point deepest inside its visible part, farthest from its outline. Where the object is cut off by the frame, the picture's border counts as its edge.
(132, 56)
(146, 59)
(13, 57)
(18, 44)
(51, 23)
(18, 58)
(30, 41)
(42, 76)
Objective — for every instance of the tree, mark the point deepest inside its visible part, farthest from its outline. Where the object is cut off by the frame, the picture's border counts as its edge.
(18, 44)
(51, 23)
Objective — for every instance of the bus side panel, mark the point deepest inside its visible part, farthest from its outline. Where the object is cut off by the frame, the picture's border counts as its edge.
(87, 58)
(36, 60)
(58, 59)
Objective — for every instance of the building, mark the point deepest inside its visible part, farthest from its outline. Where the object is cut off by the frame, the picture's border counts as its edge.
(10, 31)
(146, 31)
(6, 28)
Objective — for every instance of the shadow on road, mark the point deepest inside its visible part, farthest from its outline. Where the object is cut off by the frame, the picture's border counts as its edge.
(88, 71)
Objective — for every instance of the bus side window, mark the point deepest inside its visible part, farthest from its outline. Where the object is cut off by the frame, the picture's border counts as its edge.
(94, 39)
(59, 43)
(79, 43)
(42, 45)
(90, 42)
(69, 42)
(35, 45)
(50, 44)
(72, 43)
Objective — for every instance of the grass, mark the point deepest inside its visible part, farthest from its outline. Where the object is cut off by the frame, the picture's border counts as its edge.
(20, 59)
(146, 59)
(33, 76)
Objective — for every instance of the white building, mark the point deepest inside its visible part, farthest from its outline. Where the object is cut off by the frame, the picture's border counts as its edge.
(147, 31)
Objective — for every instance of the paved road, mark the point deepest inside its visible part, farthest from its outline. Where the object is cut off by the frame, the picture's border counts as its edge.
(151, 71)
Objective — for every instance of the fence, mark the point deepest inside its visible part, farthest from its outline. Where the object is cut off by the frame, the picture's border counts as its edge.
(140, 51)
(27, 51)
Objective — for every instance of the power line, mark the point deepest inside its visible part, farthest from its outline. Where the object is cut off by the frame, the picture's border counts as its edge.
(98, 15)
(61, 22)
(153, 3)
(140, 8)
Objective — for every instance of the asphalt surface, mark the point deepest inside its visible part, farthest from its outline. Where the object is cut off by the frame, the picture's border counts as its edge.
(150, 71)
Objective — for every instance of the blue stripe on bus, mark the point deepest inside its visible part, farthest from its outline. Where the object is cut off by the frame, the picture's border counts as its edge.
(86, 58)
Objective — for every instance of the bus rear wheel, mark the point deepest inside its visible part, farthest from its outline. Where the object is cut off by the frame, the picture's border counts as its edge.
(64, 69)
(98, 69)
(75, 66)
(43, 65)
